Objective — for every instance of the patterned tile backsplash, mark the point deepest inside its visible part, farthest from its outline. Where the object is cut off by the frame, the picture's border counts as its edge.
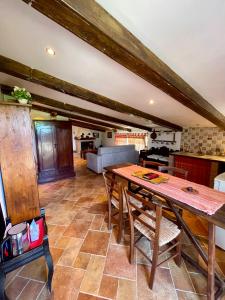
(208, 140)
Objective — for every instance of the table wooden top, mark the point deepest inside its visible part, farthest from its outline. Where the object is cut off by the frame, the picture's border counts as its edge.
(218, 218)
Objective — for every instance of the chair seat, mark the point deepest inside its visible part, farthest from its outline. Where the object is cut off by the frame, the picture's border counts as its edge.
(125, 210)
(168, 230)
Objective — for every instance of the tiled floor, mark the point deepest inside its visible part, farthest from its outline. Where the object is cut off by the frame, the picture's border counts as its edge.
(89, 264)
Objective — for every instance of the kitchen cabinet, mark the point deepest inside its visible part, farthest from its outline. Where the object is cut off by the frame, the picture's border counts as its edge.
(200, 170)
(54, 150)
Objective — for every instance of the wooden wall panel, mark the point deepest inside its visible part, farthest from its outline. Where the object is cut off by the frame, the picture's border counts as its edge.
(17, 159)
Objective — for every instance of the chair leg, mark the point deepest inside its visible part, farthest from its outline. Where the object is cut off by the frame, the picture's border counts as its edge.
(120, 223)
(131, 244)
(177, 259)
(49, 262)
(154, 264)
(109, 215)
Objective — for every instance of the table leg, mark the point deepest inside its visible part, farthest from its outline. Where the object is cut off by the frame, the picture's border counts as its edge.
(211, 262)
(2, 285)
(49, 262)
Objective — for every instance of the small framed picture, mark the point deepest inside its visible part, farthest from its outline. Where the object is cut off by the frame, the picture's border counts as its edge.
(96, 134)
(109, 134)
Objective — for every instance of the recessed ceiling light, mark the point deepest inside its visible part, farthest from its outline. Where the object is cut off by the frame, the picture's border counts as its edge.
(50, 51)
(151, 101)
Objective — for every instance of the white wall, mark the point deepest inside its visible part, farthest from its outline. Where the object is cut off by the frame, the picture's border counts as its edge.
(166, 137)
(77, 131)
(108, 142)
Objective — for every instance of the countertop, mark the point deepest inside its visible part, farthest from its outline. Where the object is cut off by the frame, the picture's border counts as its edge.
(207, 157)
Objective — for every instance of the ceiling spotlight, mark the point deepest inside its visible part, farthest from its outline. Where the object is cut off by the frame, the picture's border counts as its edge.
(50, 51)
(151, 101)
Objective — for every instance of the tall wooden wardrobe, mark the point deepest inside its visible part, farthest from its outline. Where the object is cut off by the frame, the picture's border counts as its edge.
(54, 150)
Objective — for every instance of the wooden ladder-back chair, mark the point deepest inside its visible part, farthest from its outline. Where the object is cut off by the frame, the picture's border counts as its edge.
(163, 234)
(115, 198)
(178, 172)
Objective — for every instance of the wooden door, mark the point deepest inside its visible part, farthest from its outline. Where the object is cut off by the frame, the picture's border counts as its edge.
(46, 151)
(64, 149)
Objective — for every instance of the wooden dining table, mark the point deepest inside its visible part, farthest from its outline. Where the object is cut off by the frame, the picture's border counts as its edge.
(206, 203)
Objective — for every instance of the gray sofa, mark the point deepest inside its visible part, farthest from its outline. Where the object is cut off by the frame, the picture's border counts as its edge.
(108, 156)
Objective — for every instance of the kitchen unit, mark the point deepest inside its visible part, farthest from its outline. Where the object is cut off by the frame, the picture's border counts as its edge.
(201, 169)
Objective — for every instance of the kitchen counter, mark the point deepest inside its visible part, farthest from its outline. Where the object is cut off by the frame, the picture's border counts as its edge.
(206, 157)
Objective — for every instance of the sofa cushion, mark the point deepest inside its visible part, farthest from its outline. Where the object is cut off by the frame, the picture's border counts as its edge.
(115, 149)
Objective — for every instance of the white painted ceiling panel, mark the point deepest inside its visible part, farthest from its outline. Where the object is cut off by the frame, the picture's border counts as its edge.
(25, 35)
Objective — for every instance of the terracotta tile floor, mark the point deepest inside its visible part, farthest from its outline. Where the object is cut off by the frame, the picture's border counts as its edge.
(89, 264)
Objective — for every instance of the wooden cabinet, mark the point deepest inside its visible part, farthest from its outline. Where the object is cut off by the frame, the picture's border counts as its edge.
(54, 150)
(17, 162)
(201, 171)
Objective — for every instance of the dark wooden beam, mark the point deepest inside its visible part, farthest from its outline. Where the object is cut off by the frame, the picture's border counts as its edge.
(89, 21)
(77, 117)
(75, 109)
(89, 126)
(10, 66)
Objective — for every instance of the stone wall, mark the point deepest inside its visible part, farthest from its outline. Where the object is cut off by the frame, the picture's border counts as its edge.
(210, 139)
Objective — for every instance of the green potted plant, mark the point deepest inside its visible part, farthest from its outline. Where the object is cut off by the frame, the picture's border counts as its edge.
(21, 94)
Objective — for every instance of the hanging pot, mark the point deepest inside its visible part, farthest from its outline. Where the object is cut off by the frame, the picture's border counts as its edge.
(153, 135)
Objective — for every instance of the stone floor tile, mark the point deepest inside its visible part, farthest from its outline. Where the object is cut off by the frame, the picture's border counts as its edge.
(108, 287)
(181, 277)
(126, 290)
(70, 252)
(98, 208)
(82, 260)
(93, 275)
(163, 284)
(45, 294)
(31, 290)
(83, 296)
(56, 254)
(62, 242)
(189, 296)
(78, 228)
(96, 242)
(199, 282)
(11, 275)
(117, 263)
(15, 287)
(35, 270)
(97, 222)
(66, 282)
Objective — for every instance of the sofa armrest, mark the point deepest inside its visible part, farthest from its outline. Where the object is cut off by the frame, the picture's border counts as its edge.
(94, 162)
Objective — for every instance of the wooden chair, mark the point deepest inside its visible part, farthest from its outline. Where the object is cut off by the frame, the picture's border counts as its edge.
(178, 172)
(152, 164)
(161, 232)
(116, 198)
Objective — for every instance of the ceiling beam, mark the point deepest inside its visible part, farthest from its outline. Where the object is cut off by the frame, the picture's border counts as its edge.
(93, 24)
(6, 89)
(77, 117)
(89, 126)
(17, 69)
(36, 99)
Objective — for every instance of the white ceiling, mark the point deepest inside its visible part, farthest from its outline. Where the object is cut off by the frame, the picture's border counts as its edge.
(26, 33)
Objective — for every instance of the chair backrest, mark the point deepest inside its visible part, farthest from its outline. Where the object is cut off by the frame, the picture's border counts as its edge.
(113, 189)
(150, 210)
(151, 164)
(178, 172)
